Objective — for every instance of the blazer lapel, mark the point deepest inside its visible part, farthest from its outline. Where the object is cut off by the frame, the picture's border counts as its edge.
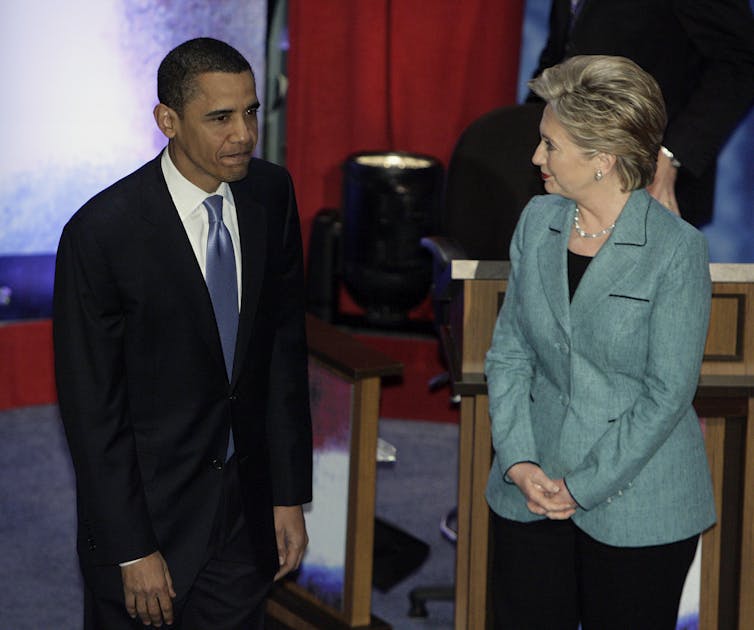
(551, 257)
(172, 250)
(616, 259)
(252, 227)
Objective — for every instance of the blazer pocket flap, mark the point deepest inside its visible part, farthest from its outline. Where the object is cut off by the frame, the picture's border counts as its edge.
(630, 297)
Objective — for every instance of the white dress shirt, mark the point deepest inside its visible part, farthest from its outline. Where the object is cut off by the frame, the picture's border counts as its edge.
(188, 199)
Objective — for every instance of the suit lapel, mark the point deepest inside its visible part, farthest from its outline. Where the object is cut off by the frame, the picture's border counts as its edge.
(171, 248)
(252, 227)
(551, 257)
(616, 259)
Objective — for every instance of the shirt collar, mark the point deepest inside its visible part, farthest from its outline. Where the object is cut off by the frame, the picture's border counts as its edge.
(186, 196)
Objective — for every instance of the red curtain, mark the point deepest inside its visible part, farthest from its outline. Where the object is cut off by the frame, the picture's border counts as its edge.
(405, 75)
(26, 365)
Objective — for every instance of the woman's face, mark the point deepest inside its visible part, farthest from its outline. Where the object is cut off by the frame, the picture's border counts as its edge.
(564, 167)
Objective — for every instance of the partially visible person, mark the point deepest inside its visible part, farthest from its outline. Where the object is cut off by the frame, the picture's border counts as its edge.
(600, 486)
(701, 52)
(181, 365)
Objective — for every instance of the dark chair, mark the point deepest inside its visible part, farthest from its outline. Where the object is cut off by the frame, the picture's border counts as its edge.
(490, 178)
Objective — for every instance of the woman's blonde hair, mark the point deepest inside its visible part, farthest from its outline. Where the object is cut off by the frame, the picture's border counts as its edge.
(608, 105)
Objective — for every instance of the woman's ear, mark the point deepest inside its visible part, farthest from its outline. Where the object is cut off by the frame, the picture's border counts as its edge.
(166, 119)
(606, 162)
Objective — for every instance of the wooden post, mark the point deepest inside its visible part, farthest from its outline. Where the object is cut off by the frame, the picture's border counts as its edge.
(356, 370)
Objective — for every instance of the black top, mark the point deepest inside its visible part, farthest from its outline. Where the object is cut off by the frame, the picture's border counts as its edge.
(577, 265)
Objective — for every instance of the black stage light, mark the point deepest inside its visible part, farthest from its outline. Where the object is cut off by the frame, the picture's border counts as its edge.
(390, 201)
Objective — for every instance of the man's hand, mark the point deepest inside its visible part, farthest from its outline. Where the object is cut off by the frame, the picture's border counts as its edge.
(290, 532)
(148, 590)
(662, 187)
(544, 496)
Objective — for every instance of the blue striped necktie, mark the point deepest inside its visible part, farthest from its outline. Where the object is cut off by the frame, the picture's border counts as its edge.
(222, 284)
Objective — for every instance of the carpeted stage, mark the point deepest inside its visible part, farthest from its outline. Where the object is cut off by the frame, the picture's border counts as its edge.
(40, 585)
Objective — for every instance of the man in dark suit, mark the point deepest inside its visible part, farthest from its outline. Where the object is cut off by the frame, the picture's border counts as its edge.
(701, 52)
(188, 423)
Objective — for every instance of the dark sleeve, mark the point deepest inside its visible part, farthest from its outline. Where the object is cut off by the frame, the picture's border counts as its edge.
(554, 49)
(722, 31)
(88, 329)
(288, 417)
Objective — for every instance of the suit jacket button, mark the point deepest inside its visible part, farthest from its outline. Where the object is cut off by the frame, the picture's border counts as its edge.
(216, 464)
(232, 397)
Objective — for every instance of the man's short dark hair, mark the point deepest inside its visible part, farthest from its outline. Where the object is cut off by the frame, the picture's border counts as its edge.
(176, 76)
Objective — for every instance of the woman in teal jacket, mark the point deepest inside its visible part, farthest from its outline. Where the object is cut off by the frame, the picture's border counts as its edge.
(599, 487)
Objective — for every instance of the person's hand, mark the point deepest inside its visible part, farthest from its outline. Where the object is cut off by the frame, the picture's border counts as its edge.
(544, 496)
(565, 500)
(148, 590)
(662, 187)
(290, 532)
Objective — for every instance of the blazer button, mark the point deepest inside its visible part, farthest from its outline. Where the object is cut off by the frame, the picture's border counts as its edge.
(216, 464)
(232, 397)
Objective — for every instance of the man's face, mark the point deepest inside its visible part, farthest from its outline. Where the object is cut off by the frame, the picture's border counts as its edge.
(213, 140)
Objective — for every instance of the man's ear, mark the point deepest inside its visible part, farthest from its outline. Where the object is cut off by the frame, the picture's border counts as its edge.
(166, 119)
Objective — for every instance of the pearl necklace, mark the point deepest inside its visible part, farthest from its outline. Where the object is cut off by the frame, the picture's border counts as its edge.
(584, 234)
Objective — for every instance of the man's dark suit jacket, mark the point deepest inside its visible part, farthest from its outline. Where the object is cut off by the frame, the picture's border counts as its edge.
(142, 384)
(701, 52)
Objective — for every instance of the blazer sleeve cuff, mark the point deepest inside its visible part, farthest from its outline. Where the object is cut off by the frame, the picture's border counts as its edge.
(578, 503)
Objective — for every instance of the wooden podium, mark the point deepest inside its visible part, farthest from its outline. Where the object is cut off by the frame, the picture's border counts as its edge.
(344, 385)
(725, 399)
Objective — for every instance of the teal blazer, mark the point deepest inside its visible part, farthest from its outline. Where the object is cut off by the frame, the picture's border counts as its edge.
(599, 390)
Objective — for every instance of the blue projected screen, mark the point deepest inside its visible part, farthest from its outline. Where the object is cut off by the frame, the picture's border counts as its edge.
(77, 114)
